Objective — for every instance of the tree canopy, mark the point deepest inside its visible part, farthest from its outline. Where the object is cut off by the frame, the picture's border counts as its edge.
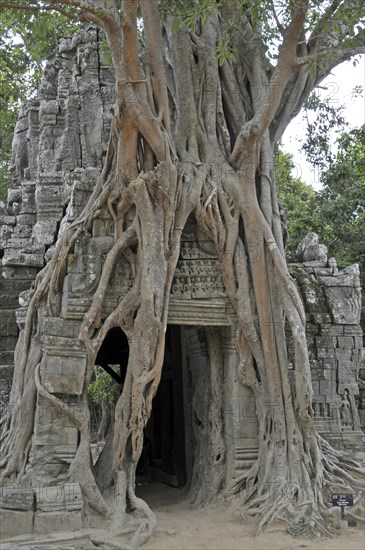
(336, 211)
(204, 92)
(296, 197)
(340, 213)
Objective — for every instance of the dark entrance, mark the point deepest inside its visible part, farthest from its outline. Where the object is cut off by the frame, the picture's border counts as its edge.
(113, 359)
(164, 433)
(114, 351)
(163, 457)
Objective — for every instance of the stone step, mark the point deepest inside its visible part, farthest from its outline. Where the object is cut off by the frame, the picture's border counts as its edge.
(245, 454)
(244, 459)
(56, 541)
(243, 465)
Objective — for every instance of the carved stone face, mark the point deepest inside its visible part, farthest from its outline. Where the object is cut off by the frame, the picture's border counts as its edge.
(310, 295)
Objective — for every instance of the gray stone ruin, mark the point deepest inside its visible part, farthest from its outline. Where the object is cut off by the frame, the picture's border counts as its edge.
(332, 300)
(60, 141)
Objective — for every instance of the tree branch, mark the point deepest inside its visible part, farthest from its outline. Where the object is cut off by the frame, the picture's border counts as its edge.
(129, 24)
(324, 52)
(267, 109)
(82, 4)
(315, 34)
(283, 68)
(280, 27)
(87, 12)
(330, 52)
(333, 34)
(98, 13)
(154, 54)
(33, 8)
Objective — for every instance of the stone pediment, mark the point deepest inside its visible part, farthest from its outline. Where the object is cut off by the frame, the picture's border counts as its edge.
(197, 293)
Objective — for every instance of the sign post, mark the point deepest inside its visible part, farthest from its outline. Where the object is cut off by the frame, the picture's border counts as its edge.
(342, 500)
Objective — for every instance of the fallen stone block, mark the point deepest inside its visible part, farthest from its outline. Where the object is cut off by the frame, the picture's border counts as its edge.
(49, 522)
(15, 522)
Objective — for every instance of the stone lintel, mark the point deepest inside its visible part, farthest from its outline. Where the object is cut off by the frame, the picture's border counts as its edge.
(21, 259)
(199, 312)
(56, 326)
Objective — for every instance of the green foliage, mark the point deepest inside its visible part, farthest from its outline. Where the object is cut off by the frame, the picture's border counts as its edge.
(345, 20)
(225, 51)
(340, 212)
(267, 19)
(13, 67)
(258, 15)
(296, 197)
(104, 387)
(337, 211)
(338, 216)
(27, 40)
(189, 13)
(324, 118)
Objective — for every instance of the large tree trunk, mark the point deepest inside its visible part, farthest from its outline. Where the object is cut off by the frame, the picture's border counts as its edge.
(199, 141)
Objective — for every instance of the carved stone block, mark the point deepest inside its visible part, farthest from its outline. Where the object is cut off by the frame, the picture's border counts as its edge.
(343, 354)
(63, 374)
(15, 497)
(50, 522)
(325, 353)
(14, 522)
(55, 326)
(346, 342)
(67, 497)
(325, 341)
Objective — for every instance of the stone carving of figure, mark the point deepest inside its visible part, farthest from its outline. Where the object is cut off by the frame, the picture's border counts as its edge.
(184, 268)
(185, 250)
(333, 265)
(345, 411)
(195, 251)
(316, 408)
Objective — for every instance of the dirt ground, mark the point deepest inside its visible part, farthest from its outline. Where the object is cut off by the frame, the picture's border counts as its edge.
(182, 528)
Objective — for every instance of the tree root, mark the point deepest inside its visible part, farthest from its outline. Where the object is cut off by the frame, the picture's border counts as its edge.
(301, 507)
(80, 468)
(148, 521)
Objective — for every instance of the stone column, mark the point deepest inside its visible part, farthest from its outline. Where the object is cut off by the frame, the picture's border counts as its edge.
(195, 361)
(62, 373)
(241, 426)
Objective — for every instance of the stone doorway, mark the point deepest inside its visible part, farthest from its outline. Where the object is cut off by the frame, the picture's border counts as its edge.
(163, 457)
(105, 389)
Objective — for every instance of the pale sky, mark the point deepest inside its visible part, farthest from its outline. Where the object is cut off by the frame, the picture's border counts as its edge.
(339, 87)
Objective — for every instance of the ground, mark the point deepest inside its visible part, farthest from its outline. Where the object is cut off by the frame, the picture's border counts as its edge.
(182, 528)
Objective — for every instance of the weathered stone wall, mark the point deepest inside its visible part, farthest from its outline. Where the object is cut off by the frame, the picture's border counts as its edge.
(58, 147)
(332, 300)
